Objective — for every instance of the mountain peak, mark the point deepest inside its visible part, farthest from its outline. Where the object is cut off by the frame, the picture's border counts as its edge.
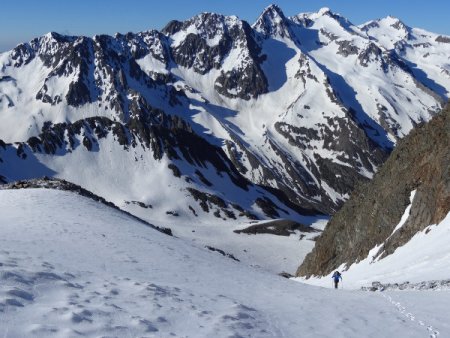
(395, 23)
(391, 17)
(324, 11)
(273, 22)
(56, 36)
(389, 26)
(210, 22)
(273, 9)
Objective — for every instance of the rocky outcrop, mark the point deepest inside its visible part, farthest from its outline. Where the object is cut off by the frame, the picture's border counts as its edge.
(435, 285)
(280, 227)
(421, 163)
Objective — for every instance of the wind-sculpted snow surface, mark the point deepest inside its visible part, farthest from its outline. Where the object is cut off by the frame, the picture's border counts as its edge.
(310, 105)
(70, 266)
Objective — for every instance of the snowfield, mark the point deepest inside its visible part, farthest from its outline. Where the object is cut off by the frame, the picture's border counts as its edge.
(73, 267)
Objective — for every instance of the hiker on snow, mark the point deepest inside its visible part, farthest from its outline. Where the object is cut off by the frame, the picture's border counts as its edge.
(336, 276)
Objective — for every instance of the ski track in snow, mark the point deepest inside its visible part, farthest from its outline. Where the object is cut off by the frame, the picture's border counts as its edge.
(434, 333)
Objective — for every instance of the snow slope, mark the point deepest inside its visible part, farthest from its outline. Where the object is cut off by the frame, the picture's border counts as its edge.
(74, 267)
(425, 257)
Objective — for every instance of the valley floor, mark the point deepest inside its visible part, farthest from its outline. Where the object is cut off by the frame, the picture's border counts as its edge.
(71, 267)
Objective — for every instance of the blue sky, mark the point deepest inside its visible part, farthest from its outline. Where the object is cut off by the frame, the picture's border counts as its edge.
(22, 20)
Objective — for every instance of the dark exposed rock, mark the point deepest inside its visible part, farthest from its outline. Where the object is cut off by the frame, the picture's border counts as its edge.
(44, 97)
(346, 48)
(201, 197)
(249, 215)
(398, 25)
(301, 208)
(22, 54)
(372, 24)
(423, 45)
(210, 201)
(268, 207)
(172, 27)
(386, 122)
(193, 211)
(140, 204)
(420, 162)
(194, 52)
(278, 227)
(205, 197)
(78, 94)
(87, 143)
(173, 213)
(443, 39)
(425, 285)
(242, 83)
(298, 136)
(176, 172)
(304, 71)
(235, 156)
(328, 34)
(371, 52)
(237, 207)
(342, 178)
(217, 201)
(285, 275)
(223, 253)
(229, 214)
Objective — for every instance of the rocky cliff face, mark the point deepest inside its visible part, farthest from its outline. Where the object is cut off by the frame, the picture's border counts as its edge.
(417, 174)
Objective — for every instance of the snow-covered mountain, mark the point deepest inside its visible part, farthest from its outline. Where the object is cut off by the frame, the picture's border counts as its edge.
(71, 266)
(161, 168)
(309, 105)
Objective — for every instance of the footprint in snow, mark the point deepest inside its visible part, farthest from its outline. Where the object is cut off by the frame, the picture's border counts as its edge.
(433, 333)
(21, 294)
(13, 302)
(82, 316)
(410, 316)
